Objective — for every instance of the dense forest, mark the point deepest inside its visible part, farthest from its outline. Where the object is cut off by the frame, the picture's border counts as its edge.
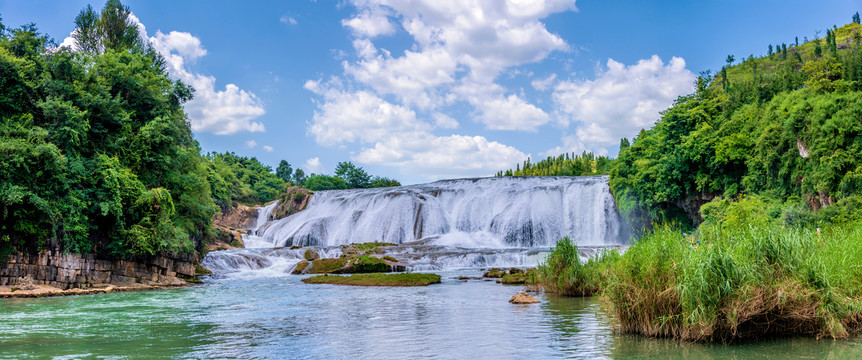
(97, 153)
(783, 130)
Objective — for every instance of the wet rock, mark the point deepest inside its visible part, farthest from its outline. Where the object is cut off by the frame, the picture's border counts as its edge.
(523, 298)
(300, 268)
(291, 201)
(494, 273)
(311, 255)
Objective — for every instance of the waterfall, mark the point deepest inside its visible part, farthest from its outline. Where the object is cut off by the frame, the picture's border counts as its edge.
(445, 225)
(497, 212)
(253, 238)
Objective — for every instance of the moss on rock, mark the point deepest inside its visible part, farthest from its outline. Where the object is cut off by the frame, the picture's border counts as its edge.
(403, 279)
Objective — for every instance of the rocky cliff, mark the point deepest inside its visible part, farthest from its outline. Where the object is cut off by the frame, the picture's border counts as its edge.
(66, 271)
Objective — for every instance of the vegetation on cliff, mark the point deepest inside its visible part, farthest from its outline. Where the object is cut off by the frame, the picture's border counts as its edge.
(785, 126)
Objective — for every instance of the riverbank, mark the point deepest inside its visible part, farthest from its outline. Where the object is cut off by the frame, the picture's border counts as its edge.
(53, 273)
(40, 291)
(724, 283)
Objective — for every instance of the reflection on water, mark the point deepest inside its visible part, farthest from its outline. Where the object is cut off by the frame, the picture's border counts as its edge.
(284, 318)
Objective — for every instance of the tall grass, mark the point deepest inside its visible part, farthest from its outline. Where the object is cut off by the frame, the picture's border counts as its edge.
(742, 281)
(564, 273)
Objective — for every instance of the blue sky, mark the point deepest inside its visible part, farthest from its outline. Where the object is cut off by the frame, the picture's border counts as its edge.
(420, 90)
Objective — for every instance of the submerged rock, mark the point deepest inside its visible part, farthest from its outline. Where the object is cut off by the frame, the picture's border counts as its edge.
(523, 298)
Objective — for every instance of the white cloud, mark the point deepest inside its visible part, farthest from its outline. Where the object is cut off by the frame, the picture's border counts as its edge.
(267, 148)
(457, 44)
(287, 20)
(222, 112)
(509, 113)
(251, 144)
(545, 83)
(571, 144)
(357, 116)
(389, 104)
(313, 166)
(442, 156)
(372, 21)
(413, 77)
(183, 43)
(444, 121)
(621, 100)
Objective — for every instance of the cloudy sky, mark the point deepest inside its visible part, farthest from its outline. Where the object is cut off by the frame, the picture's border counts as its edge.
(420, 90)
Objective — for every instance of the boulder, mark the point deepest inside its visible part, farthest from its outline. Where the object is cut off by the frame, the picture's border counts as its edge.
(523, 298)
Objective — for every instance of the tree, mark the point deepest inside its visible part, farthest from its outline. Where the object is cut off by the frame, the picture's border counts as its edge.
(299, 177)
(87, 32)
(856, 18)
(284, 171)
(112, 29)
(354, 176)
(797, 41)
(769, 51)
(729, 60)
(624, 143)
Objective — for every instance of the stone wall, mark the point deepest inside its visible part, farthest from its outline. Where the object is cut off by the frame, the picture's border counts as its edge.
(66, 271)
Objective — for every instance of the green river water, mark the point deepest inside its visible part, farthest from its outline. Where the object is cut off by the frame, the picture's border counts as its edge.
(283, 318)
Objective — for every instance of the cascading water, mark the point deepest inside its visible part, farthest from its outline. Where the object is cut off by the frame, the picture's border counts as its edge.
(449, 224)
(253, 238)
(494, 212)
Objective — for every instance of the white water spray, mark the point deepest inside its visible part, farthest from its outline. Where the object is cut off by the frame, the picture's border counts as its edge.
(253, 239)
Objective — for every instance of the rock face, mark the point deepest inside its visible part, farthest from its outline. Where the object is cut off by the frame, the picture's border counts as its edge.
(66, 271)
(230, 225)
(238, 217)
(523, 298)
(291, 201)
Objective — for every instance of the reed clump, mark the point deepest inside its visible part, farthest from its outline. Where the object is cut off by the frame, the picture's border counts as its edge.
(564, 273)
(732, 282)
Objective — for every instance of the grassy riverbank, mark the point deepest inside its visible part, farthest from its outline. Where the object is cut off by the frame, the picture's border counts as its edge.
(729, 283)
(724, 283)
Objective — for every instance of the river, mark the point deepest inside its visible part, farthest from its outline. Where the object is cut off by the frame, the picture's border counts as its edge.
(280, 317)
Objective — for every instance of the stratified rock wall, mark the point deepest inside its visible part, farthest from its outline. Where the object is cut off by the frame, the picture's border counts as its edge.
(67, 271)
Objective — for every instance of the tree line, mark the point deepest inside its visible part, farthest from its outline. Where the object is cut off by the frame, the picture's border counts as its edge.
(347, 176)
(563, 165)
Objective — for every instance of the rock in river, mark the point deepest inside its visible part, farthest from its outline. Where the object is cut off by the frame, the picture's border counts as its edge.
(523, 298)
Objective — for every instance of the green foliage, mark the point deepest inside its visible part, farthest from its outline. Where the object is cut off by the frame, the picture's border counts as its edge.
(97, 155)
(284, 171)
(377, 182)
(112, 29)
(564, 273)
(235, 178)
(564, 165)
(786, 126)
(354, 176)
(324, 182)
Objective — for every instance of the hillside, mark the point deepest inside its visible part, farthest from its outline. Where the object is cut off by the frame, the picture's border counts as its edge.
(782, 128)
